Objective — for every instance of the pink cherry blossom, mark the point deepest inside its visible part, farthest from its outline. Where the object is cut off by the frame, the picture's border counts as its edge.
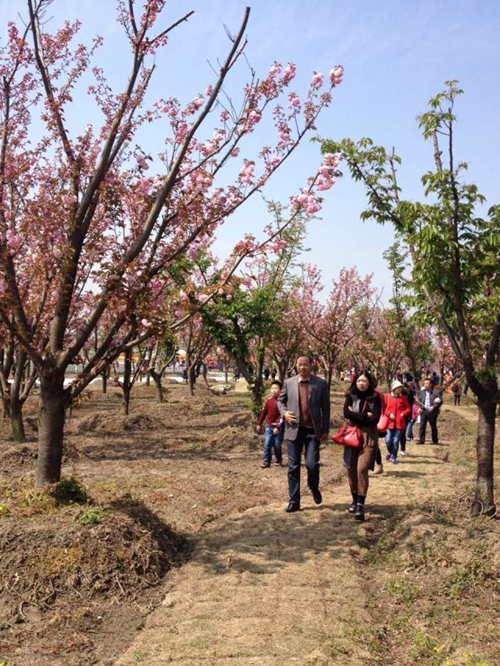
(336, 75)
(317, 81)
(289, 73)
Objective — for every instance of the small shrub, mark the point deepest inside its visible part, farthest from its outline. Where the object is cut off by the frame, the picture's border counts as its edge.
(69, 491)
(91, 517)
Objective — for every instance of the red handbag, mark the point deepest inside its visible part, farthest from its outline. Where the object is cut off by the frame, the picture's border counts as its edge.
(348, 436)
(383, 424)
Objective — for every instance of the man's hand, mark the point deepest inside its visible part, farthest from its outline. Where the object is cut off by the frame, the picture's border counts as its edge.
(420, 410)
(276, 431)
(290, 418)
(258, 429)
(324, 436)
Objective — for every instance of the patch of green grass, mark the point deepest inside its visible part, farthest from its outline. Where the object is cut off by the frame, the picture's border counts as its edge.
(473, 659)
(92, 516)
(426, 650)
(465, 578)
(403, 590)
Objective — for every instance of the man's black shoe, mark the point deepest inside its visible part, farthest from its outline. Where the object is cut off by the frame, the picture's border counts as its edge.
(420, 443)
(352, 507)
(317, 497)
(291, 508)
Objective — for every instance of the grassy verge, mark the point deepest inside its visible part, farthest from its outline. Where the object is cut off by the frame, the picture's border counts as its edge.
(432, 577)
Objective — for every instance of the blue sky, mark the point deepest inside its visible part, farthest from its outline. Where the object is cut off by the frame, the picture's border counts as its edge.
(396, 55)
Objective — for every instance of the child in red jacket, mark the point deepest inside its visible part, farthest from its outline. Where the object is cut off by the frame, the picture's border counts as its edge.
(396, 408)
(274, 427)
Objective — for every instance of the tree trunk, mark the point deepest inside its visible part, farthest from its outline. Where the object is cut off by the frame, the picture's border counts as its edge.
(16, 420)
(329, 375)
(158, 385)
(5, 408)
(126, 399)
(485, 445)
(282, 370)
(126, 384)
(191, 379)
(105, 381)
(52, 407)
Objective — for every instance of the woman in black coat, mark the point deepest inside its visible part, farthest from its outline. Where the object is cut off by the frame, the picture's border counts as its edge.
(362, 408)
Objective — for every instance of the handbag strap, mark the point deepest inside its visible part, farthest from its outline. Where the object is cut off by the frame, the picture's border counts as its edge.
(364, 407)
(362, 411)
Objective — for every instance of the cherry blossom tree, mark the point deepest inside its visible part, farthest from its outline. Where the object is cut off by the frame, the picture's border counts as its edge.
(377, 345)
(85, 231)
(334, 325)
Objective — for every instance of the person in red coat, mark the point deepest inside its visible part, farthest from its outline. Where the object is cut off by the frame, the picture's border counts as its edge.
(396, 408)
(273, 421)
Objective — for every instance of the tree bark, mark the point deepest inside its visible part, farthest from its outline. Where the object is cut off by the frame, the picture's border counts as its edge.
(158, 385)
(191, 379)
(52, 408)
(329, 374)
(485, 446)
(126, 400)
(282, 367)
(126, 384)
(16, 420)
(105, 381)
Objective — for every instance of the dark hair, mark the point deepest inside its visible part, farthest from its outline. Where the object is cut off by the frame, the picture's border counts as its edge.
(278, 383)
(306, 355)
(353, 389)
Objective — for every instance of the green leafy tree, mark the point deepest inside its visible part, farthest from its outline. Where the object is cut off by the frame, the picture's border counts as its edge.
(251, 322)
(453, 258)
(410, 328)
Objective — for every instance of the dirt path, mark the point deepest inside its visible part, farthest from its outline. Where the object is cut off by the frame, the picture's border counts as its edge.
(268, 588)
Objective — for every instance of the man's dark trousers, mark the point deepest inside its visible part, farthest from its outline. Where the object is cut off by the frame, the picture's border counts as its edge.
(430, 417)
(306, 439)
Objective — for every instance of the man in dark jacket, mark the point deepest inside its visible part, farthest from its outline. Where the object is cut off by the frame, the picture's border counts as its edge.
(429, 404)
(304, 403)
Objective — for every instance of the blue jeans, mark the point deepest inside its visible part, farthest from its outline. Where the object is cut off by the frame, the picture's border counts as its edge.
(272, 442)
(306, 441)
(409, 429)
(392, 441)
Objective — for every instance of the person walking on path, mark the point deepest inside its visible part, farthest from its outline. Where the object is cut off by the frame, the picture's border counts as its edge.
(411, 422)
(304, 403)
(457, 392)
(379, 468)
(273, 421)
(397, 408)
(429, 404)
(362, 408)
(410, 394)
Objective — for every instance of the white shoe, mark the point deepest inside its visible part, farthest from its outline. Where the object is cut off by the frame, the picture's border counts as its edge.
(402, 453)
